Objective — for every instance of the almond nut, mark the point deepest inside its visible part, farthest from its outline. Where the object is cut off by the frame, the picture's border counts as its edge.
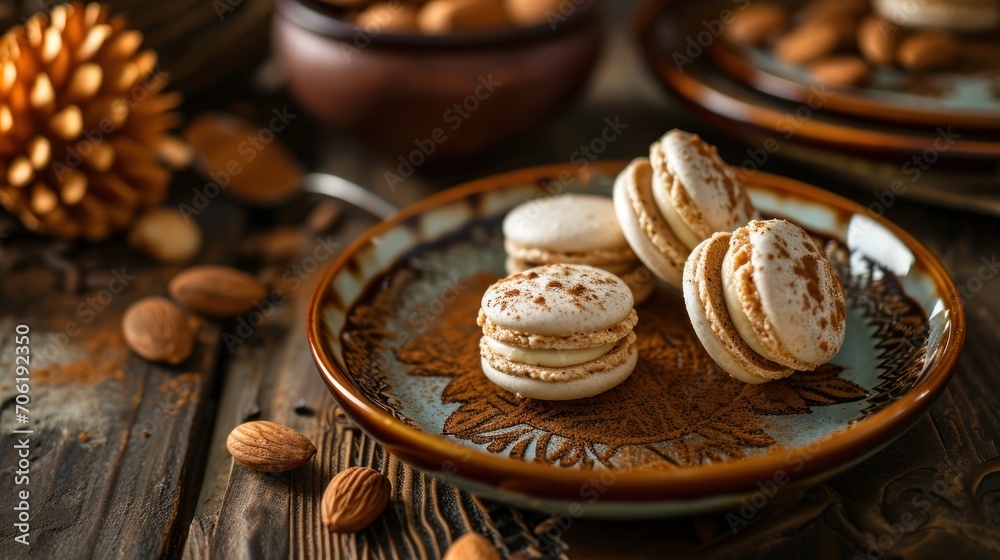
(269, 447)
(157, 329)
(164, 235)
(758, 24)
(877, 40)
(388, 17)
(354, 499)
(532, 12)
(928, 51)
(216, 291)
(846, 70)
(472, 546)
(809, 41)
(438, 17)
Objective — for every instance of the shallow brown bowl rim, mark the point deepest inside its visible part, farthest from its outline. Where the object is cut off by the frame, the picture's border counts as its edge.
(319, 18)
(431, 452)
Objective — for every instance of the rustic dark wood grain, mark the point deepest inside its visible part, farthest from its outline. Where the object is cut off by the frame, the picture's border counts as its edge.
(116, 439)
(130, 459)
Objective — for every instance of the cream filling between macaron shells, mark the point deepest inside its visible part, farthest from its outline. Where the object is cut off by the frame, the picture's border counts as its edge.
(615, 356)
(547, 357)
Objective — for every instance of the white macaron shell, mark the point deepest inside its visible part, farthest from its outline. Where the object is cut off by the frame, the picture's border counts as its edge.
(797, 289)
(558, 300)
(569, 223)
(708, 181)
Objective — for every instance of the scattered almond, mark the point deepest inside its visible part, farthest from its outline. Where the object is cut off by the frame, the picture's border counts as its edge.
(532, 12)
(354, 499)
(388, 17)
(809, 41)
(157, 329)
(472, 546)
(445, 16)
(165, 235)
(844, 70)
(758, 24)
(324, 217)
(269, 447)
(877, 40)
(927, 51)
(216, 291)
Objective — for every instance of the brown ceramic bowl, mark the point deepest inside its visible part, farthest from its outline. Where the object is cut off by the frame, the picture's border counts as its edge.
(398, 91)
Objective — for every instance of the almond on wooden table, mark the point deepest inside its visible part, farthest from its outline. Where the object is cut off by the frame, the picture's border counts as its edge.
(354, 499)
(158, 330)
(216, 291)
(269, 447)
(472, 546)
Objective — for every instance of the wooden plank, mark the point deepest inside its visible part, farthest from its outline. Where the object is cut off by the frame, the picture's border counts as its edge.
(246, 514)
(116, 439)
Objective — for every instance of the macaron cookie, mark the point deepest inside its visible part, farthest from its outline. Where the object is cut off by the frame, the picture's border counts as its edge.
(765, 301)
(677, 198)
(573, 229)
(558, 332)
(956, 15)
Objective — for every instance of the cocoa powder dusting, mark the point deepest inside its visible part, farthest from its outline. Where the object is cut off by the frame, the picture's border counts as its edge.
(677, 409)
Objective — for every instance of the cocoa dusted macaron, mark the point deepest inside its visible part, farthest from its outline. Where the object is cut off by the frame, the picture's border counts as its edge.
(558, 332)
(573, 229)
(765, 301)
(669, 203)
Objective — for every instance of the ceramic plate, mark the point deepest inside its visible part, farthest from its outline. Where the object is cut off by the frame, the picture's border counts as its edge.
(967, 99)
(666, 30)
(393, 331)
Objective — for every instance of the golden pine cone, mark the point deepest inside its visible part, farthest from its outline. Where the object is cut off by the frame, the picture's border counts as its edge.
(81, 118)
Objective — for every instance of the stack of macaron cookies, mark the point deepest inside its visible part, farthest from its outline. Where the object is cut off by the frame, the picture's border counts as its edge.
(765, 301)
(573, 229)
(678, 197)
(558, 332)
(762, 296)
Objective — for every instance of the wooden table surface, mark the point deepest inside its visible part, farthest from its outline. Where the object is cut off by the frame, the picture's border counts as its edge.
(129, 458)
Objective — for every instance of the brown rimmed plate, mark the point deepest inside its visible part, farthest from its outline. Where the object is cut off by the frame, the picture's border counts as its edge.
(665, 29)
(392, 329)
(967, 100)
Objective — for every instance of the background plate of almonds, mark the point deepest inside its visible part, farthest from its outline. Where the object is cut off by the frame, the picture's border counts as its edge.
(392, 328)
